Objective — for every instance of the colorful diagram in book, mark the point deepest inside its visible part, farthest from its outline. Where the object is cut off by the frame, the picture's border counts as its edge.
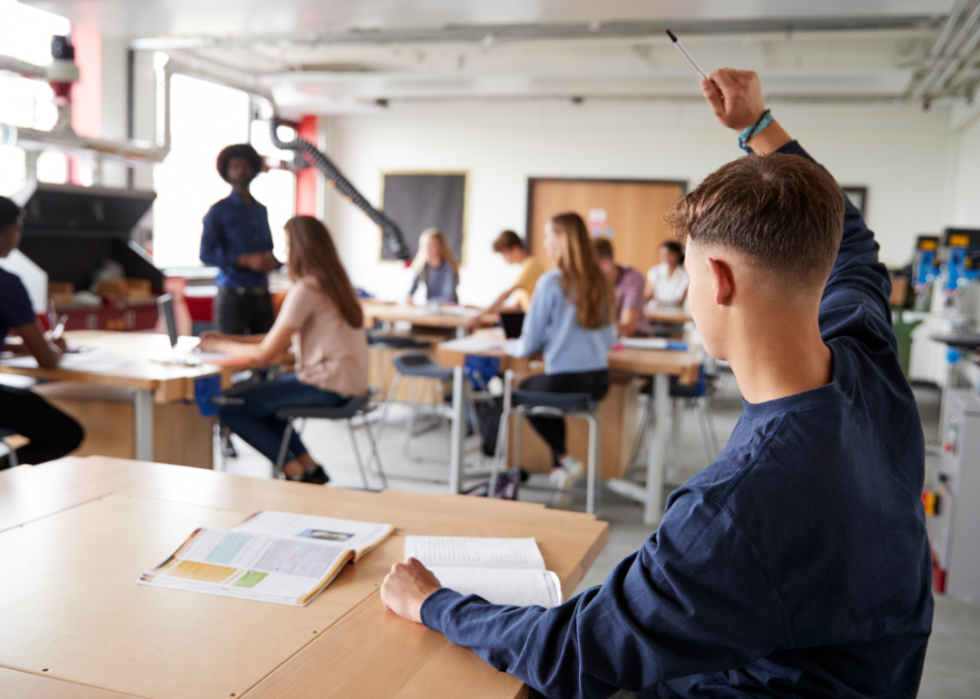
(271, 557)
(501, 571)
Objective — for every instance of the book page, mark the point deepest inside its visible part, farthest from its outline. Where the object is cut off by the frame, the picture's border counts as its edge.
(238, 564)
(517, 587)
(359, 536)
(474, 552)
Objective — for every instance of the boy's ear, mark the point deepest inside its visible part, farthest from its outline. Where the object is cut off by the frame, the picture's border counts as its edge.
(722, 280)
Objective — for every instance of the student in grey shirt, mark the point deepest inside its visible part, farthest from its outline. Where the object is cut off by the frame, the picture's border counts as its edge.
(437, 267)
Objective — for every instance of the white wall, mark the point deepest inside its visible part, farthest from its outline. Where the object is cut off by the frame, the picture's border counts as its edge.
(965, 209)
(901, 154)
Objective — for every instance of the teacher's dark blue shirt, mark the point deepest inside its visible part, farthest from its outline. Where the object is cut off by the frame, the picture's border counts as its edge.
(796, 565)
(233, 228)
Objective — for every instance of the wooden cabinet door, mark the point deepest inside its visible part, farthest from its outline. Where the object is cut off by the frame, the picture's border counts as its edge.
(634, 214)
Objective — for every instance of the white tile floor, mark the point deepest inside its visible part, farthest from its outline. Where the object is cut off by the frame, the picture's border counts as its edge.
(952, 669)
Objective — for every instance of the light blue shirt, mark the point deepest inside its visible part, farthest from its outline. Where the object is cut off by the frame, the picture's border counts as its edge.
(551, 325)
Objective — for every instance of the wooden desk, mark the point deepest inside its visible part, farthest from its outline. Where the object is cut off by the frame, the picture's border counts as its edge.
(422, 316)
(76, 624)
(667, 315)
(152, 383)
(659, 364)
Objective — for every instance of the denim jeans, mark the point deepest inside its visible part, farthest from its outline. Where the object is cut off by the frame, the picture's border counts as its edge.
(256, 420)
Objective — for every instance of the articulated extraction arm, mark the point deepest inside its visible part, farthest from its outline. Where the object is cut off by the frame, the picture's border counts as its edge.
(391, 233)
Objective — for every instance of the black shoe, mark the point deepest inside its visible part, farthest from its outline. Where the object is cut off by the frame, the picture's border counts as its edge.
(315, 475)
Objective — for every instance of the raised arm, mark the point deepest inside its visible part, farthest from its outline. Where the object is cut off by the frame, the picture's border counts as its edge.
(857, 278)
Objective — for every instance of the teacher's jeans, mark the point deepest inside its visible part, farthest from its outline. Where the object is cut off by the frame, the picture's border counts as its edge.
(255, 421)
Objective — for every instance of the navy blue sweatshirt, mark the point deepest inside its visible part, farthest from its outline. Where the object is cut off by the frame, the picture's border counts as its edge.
(796, 565)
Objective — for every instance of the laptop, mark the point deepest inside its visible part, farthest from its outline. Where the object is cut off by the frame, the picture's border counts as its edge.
(178, 355)
(513, 323)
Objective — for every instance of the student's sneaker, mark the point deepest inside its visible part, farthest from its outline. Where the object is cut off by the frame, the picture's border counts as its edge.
(563, 480)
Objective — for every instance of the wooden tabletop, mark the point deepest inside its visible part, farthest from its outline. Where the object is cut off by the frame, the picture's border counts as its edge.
(169, 383)
(423, 316)
(667, 315)
(82, 531)
(684, 365)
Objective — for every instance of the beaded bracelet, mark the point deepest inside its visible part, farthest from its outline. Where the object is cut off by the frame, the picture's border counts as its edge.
(752, 131)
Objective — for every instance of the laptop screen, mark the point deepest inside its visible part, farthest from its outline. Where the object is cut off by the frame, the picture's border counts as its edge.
(166, 305)
(513, 324)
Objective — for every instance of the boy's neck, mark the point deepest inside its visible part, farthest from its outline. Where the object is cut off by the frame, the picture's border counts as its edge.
(779, 356)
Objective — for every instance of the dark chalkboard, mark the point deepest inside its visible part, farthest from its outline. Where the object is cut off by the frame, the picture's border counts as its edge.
(418, 200)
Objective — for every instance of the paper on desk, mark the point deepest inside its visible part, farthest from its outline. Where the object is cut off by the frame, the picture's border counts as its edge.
(96, 360)
(470, 344)
(448, 311)
(475, 552)
(501, 571)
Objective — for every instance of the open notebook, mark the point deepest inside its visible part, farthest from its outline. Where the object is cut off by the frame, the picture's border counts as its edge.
(270, 557)
(501, 571)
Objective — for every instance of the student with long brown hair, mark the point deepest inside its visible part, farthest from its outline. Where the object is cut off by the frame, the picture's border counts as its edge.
(323, 321)
(572, 320)
(435, 265)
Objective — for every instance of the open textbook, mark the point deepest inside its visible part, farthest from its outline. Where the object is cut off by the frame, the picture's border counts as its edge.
(270, 557)
(501, 571)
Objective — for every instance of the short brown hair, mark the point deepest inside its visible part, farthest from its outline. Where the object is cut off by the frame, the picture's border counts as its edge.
(603, 249)
(506, 241)
(783, 212)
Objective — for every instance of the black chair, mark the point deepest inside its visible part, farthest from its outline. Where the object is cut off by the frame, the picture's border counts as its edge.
(557, 405)
(358, 405)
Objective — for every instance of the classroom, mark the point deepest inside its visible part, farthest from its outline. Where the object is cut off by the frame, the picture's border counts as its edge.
(556, 350)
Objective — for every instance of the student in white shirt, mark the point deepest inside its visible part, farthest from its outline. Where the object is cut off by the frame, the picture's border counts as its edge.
(667, 282)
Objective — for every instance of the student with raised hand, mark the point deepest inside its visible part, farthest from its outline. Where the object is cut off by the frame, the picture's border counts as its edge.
(572, 320)
(323, 321)
(435, 265)
(51, 433)
(666, 283)
(511, 248)
(628, 283)
(796, 565)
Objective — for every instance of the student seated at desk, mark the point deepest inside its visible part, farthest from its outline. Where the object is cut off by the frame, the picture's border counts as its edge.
(629, 291)
(52, 433)
(572, 319)
(797, 565)
(437, 267)
(667, 282)
(323, 320)
(511, 248)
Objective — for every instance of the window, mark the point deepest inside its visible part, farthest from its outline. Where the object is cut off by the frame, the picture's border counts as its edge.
(204, 118)
(25, 33)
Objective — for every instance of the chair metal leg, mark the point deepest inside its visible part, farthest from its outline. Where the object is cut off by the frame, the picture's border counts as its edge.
(357, 453)
(374, 452)
(517, 439)
(594, 462)
(500, 448)
(283, 448)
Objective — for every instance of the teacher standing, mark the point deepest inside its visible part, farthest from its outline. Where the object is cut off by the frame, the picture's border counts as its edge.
(237, 240)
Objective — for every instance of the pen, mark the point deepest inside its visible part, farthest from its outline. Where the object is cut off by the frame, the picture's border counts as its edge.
(59, 328)
(681, 48)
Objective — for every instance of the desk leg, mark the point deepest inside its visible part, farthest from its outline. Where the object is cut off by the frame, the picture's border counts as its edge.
(654, 507)
(144, 425)
(456, 432)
